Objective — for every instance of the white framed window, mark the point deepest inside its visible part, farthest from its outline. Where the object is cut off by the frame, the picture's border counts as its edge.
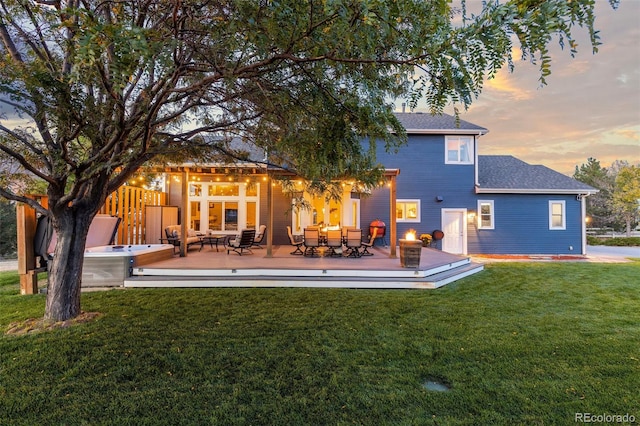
(485, 214)
(557, 215)
(408, 211)
(458, 150)
(224, 206)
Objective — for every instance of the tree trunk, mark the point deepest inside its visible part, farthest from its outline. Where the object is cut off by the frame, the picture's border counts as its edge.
(65, 272)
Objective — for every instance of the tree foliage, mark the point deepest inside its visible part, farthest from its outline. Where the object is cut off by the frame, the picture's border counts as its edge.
(599, 207)
(626, 196)
(106, 87)
(614, 206)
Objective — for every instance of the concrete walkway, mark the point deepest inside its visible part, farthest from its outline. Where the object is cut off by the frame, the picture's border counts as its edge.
(8, 265)
(595, 254)
(612, 254)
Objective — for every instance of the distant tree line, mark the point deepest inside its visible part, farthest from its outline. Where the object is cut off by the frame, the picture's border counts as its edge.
(617, 204)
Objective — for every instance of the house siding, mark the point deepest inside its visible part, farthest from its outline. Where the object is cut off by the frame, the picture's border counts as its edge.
(521, 218)
(521, 221)
(522, 226)
(425, 176)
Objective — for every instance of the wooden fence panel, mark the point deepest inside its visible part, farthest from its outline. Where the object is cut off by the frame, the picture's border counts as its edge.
(128, 203)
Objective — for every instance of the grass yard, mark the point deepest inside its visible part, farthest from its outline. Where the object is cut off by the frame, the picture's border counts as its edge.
(520, 343)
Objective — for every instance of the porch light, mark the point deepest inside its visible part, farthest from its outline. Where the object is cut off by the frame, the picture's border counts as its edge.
(471, 216)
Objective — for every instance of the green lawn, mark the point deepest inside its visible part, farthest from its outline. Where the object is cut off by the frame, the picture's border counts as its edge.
(520, 343)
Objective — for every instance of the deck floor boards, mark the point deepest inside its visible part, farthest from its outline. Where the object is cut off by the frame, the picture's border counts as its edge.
(211, 268)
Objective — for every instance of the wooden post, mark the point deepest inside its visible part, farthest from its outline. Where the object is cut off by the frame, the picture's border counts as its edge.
(26, 231)
(184, 214)
(270, 216)
(392, 217)
(26, 221)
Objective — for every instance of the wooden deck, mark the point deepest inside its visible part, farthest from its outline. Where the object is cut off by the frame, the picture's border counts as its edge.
(208, 268)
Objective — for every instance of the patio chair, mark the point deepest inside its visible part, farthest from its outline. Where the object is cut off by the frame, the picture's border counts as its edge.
(344, 230)
(173, 235)
(311, 242)
(242, 242)
(368, 245)
(354, 242)
(293, 242)
(262, 232)
(334, 242)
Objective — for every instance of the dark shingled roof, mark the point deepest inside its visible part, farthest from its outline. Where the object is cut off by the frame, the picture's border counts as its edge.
(508, 174)
(416, 121)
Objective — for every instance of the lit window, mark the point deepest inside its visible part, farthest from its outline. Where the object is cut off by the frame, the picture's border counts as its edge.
(408, 211)
(195, 190)
(557, 214)
(485, 214)
(224, 189)
(459, 150)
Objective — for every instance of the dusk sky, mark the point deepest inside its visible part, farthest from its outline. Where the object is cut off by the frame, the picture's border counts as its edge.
(590, 106)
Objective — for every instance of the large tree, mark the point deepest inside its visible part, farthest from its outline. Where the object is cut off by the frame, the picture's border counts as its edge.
(626, 196)
(599, 205)
(614, 206)
(109, 85)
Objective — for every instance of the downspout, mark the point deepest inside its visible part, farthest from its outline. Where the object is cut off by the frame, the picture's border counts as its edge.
(475, 153)
(583, 208)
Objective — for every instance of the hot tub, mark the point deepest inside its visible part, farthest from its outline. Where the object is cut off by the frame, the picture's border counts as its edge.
(109, 266)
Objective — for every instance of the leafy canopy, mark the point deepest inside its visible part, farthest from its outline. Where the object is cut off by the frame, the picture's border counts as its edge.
(108, 86)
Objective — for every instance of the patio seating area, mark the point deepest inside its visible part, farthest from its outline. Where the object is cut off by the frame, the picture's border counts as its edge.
(209, 268)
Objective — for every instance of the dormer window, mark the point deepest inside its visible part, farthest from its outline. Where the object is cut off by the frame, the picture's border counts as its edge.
(458, 150)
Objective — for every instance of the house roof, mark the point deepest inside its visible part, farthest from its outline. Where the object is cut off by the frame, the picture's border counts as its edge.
(426, 123)
(507, 174)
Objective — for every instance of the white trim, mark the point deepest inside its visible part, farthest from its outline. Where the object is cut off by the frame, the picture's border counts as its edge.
(475, 159)
(564, 215)
(533, 191)
(241, 199)
(583, 217)
(418, 213)
(470, 132)
(479, 215)
(470, 142)
(463, 226)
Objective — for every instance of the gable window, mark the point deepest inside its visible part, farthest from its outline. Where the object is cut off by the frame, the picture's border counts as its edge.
(557, 215)
(459, 150)
(485, 214)
(408, 211)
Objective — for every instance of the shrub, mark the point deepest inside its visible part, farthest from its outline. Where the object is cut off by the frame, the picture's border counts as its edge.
(616, 242)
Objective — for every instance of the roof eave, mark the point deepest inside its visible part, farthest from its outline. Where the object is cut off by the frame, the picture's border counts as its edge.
(478, 132)
(534, 191)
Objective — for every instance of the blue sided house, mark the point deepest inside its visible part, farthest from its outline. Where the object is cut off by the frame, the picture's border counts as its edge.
(494, 204)
(489, 204)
